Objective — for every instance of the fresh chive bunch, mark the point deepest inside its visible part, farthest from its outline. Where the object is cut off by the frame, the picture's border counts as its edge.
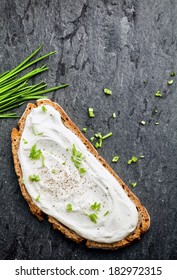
(15, 90)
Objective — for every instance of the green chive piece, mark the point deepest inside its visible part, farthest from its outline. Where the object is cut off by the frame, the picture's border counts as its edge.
(158, 94)
(133, 184)
(24, 141)
(84, 129)
(95, 206)
(106, 213)
(157, 123)
(37, 198)
(114, 115)
(172, 74)
(93, 217)
(77, 159)
(170, 82)
(53, 171)
(91, 112)
(69, 207)
(115, 159)
(34, 178)
(44, 109)
(106, 136)
(132, 160)
(107, 91)
(34, 153)
(92, 138)
(143, 122)
(142, 156)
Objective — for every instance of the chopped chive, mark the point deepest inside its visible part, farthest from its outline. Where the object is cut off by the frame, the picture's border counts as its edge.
(106, 213)
(95, 206)
(92, 138)
(172, 74)
(157, 123)
(115, 159)
(142, 156)
(24, 141)
(107, 91)
(84, 129)
(69, 207)
(143, 122)
(132, 160)
(170, 82)
(44, 109)
(106, 136)
(91, 112)
(133, 184)
(114, 115)
(37, 198)
(34, 178)
(53, 171)
(93, 217)
(158, 94)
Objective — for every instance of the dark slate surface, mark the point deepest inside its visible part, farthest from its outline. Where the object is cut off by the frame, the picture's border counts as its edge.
(129, 47)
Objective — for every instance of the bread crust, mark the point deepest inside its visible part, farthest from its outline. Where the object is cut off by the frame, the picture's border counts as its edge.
(144, 219)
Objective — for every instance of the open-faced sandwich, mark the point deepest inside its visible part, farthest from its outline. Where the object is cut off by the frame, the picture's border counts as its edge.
(62, 175)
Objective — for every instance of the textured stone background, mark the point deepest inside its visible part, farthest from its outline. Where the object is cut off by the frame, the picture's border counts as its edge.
(129, 47)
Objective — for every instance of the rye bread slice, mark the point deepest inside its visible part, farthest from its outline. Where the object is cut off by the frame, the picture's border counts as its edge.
(144, 219)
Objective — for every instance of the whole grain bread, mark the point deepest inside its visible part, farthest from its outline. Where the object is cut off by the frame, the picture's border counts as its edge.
(144, 219)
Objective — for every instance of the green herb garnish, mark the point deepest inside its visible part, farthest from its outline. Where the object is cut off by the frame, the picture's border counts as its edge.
(172, 74)
(44, 109)
(106, 136)
(77, 159)
(35, 131)
(95, 206)
(34, 178)
(170, 82)
(114, 115)
(93, 217)
(143, 122)
(53, 171)
(158, 94)
(134, 184)
(107, 91)
(91, 112)
(106, 213)
(92, 138)
(115, 159)
(34, 153)
(84, 129)
(38, 198)
(157, 123)
(14, 88)
(69, 207)
(132, 160)
(24, 141)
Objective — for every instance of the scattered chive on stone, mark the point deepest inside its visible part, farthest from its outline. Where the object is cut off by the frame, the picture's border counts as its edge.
(115, 159)
(157, 123)
(172, 74)
(114, 115)
(91, 112)
(92, 138)
(133, 184)
(143, 122)
(142, 156)
(84, 129)
(158, 94)
(107, 91)
(106, 136)
(132, 160)
(170, 82)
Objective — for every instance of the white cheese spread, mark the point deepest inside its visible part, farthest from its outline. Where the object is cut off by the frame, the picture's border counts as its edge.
(91, 203)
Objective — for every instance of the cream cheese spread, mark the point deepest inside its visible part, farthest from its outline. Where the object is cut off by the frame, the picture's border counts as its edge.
(91, 203)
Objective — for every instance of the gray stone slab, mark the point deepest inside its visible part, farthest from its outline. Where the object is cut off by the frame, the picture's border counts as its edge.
(129, 47)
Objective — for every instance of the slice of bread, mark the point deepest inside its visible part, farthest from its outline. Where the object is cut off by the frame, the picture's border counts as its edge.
(143, 220)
